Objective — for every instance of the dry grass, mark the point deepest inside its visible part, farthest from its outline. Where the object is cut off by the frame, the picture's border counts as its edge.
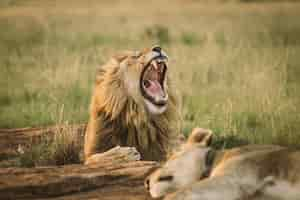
(237, 65)
(64, 148)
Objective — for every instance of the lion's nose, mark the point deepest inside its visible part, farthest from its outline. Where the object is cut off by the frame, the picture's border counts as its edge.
(147, 184)
(156, 49)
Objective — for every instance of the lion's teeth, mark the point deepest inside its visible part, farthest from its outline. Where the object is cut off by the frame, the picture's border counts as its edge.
(155, 65)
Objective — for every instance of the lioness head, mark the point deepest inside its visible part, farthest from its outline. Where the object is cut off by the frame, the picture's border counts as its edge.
(145, 75)
(184, 167)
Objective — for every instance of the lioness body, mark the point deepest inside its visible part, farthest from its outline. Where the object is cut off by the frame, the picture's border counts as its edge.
(250, 172)
(134, 105)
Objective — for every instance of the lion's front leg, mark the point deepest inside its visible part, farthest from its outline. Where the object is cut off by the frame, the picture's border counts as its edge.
(91, 139)
(216, 188)
(98, 138)
(99, 148)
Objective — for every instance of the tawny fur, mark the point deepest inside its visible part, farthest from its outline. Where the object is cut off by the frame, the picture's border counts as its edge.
(252, 172)
(118, 116)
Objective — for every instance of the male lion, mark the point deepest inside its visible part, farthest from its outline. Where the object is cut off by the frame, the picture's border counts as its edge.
(133, 105)
(250, 172)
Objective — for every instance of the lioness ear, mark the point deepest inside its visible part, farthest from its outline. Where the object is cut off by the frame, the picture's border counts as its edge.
(200, 136)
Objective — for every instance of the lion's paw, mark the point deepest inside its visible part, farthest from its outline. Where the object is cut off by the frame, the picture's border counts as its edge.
(128, 153)
(114, 155)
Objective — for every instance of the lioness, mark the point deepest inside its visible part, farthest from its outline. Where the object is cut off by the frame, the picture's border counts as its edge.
(133, 105)
(248, 172)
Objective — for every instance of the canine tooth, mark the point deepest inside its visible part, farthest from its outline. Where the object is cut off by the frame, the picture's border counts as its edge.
(155, 64)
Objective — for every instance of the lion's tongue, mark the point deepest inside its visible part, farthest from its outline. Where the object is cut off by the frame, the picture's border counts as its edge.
(155, 89)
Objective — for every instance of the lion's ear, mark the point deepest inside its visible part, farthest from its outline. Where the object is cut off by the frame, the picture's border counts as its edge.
(120, 57)
(201, 137)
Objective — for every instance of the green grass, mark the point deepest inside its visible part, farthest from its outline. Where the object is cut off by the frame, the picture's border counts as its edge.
(64, 148)
(237, 65)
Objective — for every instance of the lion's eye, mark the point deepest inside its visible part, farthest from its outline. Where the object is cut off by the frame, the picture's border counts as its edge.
(166, 178)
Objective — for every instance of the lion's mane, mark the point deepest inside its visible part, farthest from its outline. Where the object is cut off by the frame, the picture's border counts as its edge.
(122, 121)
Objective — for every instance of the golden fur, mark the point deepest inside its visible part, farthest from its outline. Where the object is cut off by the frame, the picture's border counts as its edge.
(252, 172)
(118, 115)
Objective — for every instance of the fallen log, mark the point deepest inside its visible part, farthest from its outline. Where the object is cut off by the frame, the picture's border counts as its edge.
(115, 177)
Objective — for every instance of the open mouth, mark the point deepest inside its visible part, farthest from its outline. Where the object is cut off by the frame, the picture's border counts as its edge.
(152, 82)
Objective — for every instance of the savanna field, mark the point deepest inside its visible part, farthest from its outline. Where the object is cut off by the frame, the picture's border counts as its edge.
(236, 64)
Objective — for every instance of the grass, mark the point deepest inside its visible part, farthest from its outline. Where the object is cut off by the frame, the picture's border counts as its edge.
(236, 64)
(64, 148)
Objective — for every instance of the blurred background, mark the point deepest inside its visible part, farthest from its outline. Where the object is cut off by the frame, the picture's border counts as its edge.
(236, 63)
